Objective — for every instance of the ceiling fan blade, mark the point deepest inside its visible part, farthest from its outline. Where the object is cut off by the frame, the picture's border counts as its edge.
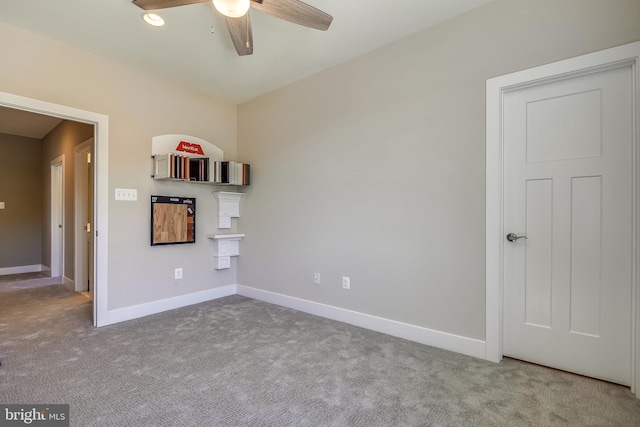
(163, 4)
(241, 34)
(295, 11)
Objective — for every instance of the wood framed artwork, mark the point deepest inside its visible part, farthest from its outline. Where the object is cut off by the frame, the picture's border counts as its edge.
(173, 220)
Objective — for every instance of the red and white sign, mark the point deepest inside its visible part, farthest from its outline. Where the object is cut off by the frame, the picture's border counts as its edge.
(190, 147)
(185, 145)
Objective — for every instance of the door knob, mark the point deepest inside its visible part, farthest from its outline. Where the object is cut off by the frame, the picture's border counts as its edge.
(512, 237)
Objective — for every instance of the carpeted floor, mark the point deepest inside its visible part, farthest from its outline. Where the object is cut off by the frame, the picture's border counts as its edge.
(22, 276)
(241, 362)
(12, 282)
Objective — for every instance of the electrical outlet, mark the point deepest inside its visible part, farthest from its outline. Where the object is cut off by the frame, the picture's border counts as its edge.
(316, 278)
(346, 282)
(178, 273)
(1, 205)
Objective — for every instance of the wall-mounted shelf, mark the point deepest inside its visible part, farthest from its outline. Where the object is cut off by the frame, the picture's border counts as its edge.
(185, 158)
(225, 246)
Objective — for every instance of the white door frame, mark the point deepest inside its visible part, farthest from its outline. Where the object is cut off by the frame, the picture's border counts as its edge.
(626, 55)
(81, 193)
(101, 198)
(56, 210)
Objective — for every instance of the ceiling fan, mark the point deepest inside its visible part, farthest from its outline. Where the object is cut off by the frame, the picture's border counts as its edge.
(237, 16)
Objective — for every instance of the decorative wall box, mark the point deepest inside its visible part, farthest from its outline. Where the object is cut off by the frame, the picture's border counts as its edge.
(224, 247)
(228, 207)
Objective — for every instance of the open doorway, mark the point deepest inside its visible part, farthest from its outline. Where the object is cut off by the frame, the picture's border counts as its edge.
(99, 199)
(49, 210)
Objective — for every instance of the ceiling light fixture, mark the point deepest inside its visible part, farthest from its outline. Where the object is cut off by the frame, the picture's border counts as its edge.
(153, 19)
(232, 8)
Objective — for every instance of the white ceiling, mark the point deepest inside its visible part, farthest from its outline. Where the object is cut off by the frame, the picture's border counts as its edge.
(187, 52)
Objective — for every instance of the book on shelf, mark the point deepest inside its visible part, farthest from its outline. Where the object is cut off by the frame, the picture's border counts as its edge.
(221, 172)
(162, 166)
(241, 173)
(225, 173)
(246, 175)
(188, 168)
(199, 169)
(228, 172)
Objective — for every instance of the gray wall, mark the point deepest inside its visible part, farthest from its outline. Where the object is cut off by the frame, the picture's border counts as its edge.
(21, 190)
(139, 106)
(375, 169)
(61, 141)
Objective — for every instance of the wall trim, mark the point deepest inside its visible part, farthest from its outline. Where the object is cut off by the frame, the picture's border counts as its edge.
(443, 340)
(23, 269)
(154, 307)
(68, 283)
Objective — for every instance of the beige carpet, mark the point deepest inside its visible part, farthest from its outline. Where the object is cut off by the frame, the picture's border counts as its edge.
(241, 362)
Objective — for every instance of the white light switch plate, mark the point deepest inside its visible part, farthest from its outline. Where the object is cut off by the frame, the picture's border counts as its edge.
(127, 194)
(1, 205)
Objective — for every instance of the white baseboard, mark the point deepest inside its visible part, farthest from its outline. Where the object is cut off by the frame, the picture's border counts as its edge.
(22, 269)
(141, 310)
(443, 340)
(68, 283)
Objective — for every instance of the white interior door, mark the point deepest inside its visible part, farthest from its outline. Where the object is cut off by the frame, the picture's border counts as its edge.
(568, 187)
(57, 217)
(83, 217)
(91, 224)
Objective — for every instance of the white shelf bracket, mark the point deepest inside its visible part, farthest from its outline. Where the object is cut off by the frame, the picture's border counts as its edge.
(224, 247)
(228, 207)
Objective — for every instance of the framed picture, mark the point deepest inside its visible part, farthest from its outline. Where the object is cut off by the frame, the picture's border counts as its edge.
(173, 220)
